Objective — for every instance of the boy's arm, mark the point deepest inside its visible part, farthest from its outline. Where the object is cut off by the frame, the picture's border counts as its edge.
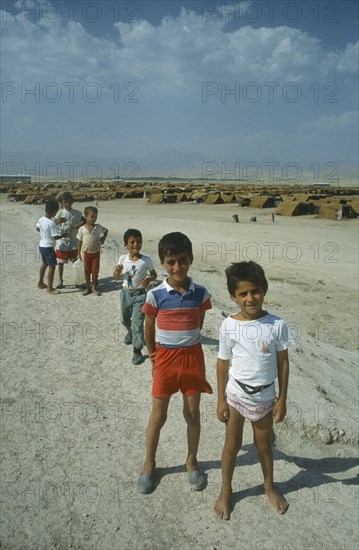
(103, 238)
(151, 277)
(56, 236)
(150, 337)
(117, 271)
(78, 225)
(280, 410)
(222, 379)
(79, 248)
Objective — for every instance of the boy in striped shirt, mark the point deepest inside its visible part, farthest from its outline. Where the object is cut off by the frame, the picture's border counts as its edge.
(179, 306)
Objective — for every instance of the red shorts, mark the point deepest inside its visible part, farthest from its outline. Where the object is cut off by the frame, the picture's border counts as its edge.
(179, 369)
(65, 255)
(92, 264)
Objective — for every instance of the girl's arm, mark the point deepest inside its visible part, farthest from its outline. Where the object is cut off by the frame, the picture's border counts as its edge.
(222, 379)
(280, 408)
(150, 337)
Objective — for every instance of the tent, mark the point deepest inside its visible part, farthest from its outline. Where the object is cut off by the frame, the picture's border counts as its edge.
(227, 197)
(213, 198)
(155, 198)
(262, 201)
(337, 211)
(294, 208)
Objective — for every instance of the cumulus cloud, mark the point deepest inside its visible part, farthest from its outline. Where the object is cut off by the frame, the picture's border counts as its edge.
(164, 67)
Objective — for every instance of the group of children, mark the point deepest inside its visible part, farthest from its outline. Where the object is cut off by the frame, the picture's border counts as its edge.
(65, 235)
(253, 347)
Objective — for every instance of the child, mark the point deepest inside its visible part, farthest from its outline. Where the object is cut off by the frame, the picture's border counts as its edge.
(90, 238)
(253, 350)
(48, 235)
(135, 267)
(66, 247)
(179, 305)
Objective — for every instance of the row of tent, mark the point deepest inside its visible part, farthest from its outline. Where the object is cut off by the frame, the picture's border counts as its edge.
(288, 204)
(335, 207)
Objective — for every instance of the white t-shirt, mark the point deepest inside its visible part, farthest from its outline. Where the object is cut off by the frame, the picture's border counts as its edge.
(135, 271)
(91, 240)
(48, 230)
(252, 348)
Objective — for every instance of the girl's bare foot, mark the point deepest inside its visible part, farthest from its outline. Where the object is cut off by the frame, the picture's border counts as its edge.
(53, 291)
(278, 501)
(222, 506)
(41, 285)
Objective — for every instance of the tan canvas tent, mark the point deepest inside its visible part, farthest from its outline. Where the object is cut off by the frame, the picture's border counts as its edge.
(294, 208)
(155, 198)
(262, 201)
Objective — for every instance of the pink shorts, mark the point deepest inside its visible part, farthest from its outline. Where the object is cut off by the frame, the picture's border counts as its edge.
(179, 369)
(252, 412)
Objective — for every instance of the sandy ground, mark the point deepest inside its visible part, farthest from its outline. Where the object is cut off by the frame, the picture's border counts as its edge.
(74, 409)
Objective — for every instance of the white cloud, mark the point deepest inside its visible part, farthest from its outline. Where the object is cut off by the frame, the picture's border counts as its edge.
(169, 63)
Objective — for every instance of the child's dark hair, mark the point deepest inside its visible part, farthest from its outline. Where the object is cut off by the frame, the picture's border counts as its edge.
(245, 271)
(174, 243)
(131, 233)
(51, 206)
(89, 209)
(67, 197)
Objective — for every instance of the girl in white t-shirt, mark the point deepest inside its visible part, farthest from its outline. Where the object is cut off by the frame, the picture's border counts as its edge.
(253, 352)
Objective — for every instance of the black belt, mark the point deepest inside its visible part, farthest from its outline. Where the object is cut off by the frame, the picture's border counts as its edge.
(252, 389)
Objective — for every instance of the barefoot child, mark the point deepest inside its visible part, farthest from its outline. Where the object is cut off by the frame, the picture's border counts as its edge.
(139, 272)
(66, 247)
(90, 238)
(179, 306)
(48, 235)
(253, 351)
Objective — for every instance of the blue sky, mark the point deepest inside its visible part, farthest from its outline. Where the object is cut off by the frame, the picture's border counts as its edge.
(264, 86)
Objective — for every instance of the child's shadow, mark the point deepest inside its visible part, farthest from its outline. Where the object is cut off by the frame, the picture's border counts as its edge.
(206, 341)
(313, 474)
(109, 284)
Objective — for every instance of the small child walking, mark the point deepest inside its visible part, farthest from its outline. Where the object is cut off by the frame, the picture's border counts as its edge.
(90, 238)
(253, 352)
(48, 235)
(135, 267)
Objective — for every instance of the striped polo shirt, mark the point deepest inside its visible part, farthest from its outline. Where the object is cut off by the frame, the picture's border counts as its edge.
(178, 315)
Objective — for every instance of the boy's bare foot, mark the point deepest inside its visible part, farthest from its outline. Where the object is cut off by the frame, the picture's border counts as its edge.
(41, 285)
(278, 501)
(87, 292)
(53, 291)
(222, 506)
